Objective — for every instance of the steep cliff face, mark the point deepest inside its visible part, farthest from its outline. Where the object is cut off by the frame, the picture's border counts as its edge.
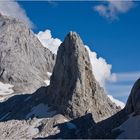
(73, 88)
(133, 103)
(130, 127)
(24, 62)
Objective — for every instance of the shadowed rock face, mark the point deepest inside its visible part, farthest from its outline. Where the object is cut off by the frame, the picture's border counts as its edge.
(73, 88)
(133, 103)
(24, 62)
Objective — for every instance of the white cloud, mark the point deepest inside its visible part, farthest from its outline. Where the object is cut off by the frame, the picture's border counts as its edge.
(110, 9)
(13, 9)
(48, 41)
(101, 69)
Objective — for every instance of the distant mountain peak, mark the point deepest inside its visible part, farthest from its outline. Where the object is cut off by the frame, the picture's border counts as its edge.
(133, 102)
(24, 62)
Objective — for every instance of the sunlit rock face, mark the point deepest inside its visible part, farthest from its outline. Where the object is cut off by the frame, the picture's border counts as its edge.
(24, 62)
(73, 88)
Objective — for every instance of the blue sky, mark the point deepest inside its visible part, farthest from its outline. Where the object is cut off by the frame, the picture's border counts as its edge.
(111, 29)
(117, 41)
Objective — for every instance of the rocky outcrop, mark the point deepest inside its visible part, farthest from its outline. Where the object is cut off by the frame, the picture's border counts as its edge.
(73, 89)
(133, 103)
(125, 123)
(129, 128)
(27, 116)
(24, 62)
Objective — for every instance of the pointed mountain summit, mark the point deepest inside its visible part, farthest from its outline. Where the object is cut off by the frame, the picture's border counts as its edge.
(73, 89)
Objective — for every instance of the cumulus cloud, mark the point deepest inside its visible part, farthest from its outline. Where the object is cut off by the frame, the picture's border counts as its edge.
(110, 9)
(13, 9)
(101, 69)
(48, 41)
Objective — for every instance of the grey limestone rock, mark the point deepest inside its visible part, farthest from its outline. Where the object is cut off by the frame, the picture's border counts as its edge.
(24, 62)
(73, 89)
(32, 128)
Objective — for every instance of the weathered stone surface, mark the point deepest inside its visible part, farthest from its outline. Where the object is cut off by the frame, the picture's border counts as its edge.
(73, 89)
(133, 103)
(24, 62)
(32, 128)
(27, 116)
(125, 123)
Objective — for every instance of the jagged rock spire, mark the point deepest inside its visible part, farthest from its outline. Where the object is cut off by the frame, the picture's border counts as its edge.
(73, 88)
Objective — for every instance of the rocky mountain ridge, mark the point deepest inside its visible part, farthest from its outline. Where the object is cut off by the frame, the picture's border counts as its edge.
(23, 59)
(73, 97)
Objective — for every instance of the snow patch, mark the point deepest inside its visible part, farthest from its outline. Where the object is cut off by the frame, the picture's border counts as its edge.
(47, 82)
(5, 89)
(49, 74)
(33, 131)
(117, 102)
